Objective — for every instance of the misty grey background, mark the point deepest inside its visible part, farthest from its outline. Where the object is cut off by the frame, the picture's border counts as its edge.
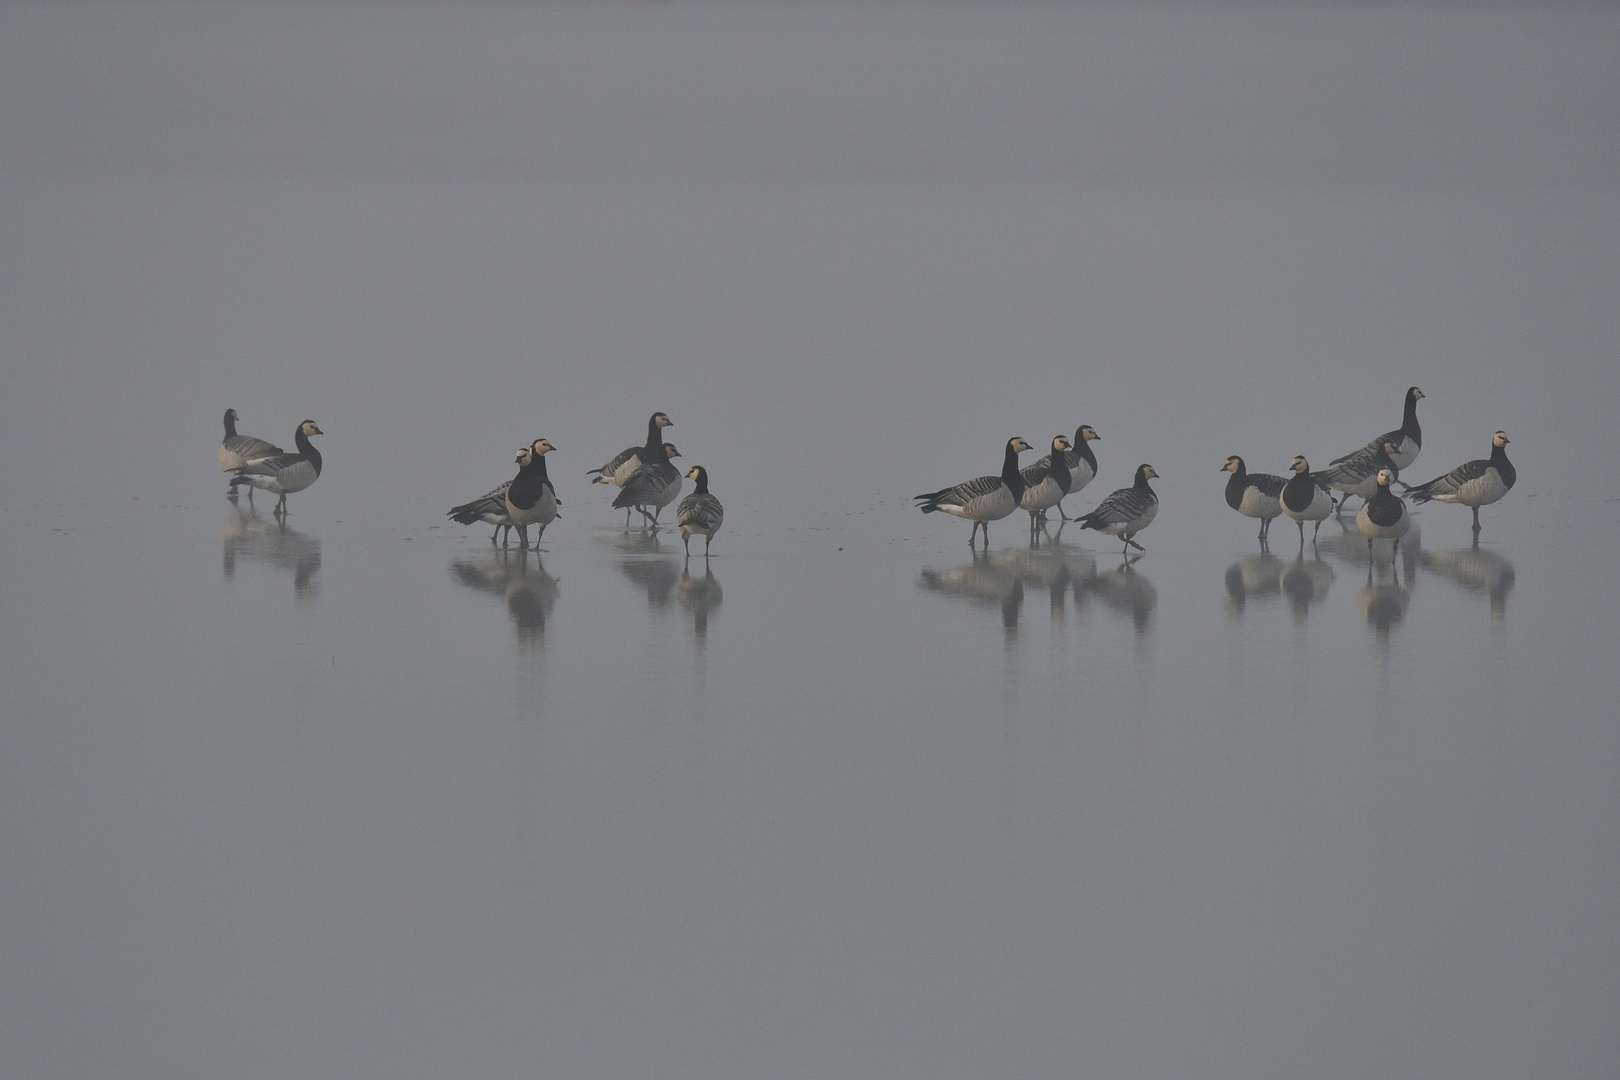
(363, 799)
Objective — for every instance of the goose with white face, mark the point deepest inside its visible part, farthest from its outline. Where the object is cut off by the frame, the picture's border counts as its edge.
(1305, 498)
(985, 498)
(1477, 483)
(1384, 516)
(1126, 512)
(1255, 495)
(700, 513)
(284, 474)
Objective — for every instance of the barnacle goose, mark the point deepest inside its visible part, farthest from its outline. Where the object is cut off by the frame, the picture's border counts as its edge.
(700, 512)
(1358, 473)
(285, 473)
(531, 500)
(491, 507)
(1383, 515)
(1126, 512)
(1478, 483)
(983, 499)
(1253, 495)
(624, 464)
(1305, 498)
(655, 484)
(1046, 482)
(1408, 438)
(239, 451)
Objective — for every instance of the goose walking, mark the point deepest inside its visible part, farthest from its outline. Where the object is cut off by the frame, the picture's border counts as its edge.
(623, 465)
(1408, 438)
(1255, 495)
(1305, 498)
(490, 508)
(530, 499)
(1358, 474)
(1383, 515)
(1046, 482)
(700, 512)
(1478, 483)
(1126, 512)
(285, 473)
(239, 451)
(654, 484)
(983, 499)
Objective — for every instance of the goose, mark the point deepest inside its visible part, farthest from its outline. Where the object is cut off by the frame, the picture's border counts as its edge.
(655, 484)
(285, 473)
(624, 464)
(700, 512)
(1358, 474)
(491, 507)
(983, 499)
(1253, 495)
(1383, 515)
(1081, 461)
(1046, 482)
(1478, 483)
(239, 451)
(1305, 498)
(1408, 438)
(1126, 512)
(531, 500)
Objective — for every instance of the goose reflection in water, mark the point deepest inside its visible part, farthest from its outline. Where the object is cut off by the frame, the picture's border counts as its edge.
(1122, 589)
(530, 593)
(1305, 582)
(1383, 603)
(1350, 547)
(982, 582)
(247, 536)
(1474, 570)
(699, 597)
(1252, 577)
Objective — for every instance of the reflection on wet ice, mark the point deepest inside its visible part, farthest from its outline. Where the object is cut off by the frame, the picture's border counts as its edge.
(246, 535)
(981, 582)
(1252, 577)
(1122, 589)
(1305, 582)
(530, 593)
(699, 597)
(1383, 603)
(1474, 570)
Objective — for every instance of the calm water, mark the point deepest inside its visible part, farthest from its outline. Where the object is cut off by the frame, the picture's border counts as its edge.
(362, 796)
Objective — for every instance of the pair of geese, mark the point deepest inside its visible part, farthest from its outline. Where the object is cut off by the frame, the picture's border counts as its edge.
(1068, 468)
(265, 466)
(1369, 472)
(644, 475)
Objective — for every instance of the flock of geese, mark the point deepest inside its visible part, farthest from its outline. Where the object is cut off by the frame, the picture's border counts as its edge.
(1368, 472)
(648, 481)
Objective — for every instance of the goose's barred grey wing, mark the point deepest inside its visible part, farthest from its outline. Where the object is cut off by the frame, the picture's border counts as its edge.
(1124, 505)
(1451, 483)
(961, 494)
(701, 510)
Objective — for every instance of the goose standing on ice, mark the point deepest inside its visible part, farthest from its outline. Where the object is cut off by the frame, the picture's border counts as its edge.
(491, 507)
(1478, 483)
(654, 484)
(1046, 482)
(1255, 495)
(239, 451)
(1358, 474)
(1408, 438)
(1126, 512)
(530, 499)
(1305, 498)
(1383, 515)
(285, 473)
(700, 512)
(1082, 462)
(624, 464)
(983, 499)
